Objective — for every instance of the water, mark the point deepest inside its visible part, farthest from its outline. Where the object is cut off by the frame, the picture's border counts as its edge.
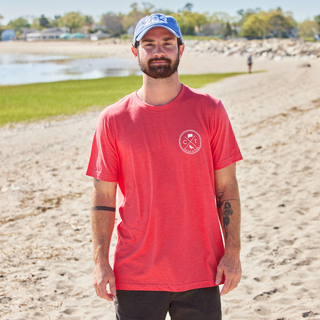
(18, 68)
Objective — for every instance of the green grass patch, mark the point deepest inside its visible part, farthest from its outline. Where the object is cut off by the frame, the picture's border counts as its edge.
(41, 100)
(199, 80)
(310, 39)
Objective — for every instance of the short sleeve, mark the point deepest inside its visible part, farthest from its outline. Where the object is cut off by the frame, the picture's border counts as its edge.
(224, 146)
(103, 163)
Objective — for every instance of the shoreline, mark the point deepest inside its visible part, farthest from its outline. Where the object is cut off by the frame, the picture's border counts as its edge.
(191, 63)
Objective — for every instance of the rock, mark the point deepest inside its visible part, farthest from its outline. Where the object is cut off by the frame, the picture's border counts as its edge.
(276, 49)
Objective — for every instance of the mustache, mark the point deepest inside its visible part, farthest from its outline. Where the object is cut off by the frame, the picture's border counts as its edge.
(160, 59)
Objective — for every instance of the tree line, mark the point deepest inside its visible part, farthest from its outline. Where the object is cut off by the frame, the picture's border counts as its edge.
(250, 23)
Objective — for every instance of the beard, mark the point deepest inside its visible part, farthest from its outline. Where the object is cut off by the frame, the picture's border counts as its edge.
(160, 72)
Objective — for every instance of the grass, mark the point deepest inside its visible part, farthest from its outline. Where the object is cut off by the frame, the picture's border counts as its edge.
(38, 101)
(310, 39)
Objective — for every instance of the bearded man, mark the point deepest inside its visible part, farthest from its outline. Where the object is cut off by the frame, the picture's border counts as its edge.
(171, 151)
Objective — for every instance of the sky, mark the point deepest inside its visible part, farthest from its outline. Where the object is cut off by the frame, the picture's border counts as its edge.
(12, 9)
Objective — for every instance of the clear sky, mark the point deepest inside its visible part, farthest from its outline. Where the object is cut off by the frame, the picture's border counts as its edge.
(11, 9)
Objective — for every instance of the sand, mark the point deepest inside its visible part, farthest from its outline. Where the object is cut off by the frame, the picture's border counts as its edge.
(46, 253)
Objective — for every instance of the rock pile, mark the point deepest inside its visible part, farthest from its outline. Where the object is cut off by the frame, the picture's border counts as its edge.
(276, 49)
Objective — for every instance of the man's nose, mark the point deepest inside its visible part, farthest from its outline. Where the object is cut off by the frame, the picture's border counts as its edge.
(158, 51)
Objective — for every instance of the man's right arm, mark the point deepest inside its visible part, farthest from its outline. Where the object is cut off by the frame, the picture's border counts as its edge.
(102, 224)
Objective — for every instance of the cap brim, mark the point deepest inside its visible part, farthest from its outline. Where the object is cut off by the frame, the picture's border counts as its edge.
(140, 36)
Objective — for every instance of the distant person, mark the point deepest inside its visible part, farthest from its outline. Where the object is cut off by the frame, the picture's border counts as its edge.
(249, 63)
(171, 151)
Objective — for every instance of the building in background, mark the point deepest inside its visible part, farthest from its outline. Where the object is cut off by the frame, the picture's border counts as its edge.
(8, 35)
(45, 34)
(99, 35)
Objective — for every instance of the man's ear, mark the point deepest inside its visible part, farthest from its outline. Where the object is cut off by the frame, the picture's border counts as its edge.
(181, 49)
(135, 52)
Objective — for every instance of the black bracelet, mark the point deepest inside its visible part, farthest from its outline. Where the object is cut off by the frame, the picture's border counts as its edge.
(103, 208)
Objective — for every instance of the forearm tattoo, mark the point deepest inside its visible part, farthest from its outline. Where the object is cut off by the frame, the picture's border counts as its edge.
(226, 211)
(103, 208)
(219, 199)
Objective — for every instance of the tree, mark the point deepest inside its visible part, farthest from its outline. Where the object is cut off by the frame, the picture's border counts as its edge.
(188, 7)
(227, 31)
(44, 22)
(219, 24)
(112, 23)
(19, 24)
(133, 17)
(280, 25)
(245, 14)
(72, 20)
(36, 24)
(55, 22)
(240, 12)
(89, 20)
(148, 8)
(40, 23)
(273, 23)
(189, 21)
(2, 28)
(221, 17)
(307, 28)
(317, 20)
(255, 26)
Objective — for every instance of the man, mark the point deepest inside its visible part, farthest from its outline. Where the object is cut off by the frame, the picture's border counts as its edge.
(171, 151)
(249, 62)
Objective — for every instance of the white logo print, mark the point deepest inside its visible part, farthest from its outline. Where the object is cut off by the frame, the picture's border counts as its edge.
(156, 18)
(190, 141)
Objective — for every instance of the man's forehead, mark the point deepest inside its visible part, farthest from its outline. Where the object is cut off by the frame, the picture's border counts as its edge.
(158, 32)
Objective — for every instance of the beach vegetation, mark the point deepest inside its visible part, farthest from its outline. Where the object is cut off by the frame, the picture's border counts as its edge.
(72, 20)
(41, 23)
(308, 28)
(220, 25)
(250, 23)
(18, 24)
(190, 22)
(112, 24)
(131, 19)
(255, 26)
(55, 22)
(41, 100)
(271, 24)
(89, 20)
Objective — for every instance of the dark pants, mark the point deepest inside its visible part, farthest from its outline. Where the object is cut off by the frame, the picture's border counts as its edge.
(198, 304)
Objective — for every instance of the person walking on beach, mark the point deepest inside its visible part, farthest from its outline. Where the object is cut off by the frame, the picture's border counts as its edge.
(171, 152)
(249, 62)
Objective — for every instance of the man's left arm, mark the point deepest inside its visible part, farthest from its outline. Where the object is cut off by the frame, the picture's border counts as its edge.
(228, 204)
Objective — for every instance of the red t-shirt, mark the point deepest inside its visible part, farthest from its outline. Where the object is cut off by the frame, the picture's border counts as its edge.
(163, 158)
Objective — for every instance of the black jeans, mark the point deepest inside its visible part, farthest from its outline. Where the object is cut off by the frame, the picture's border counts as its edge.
(198, 304)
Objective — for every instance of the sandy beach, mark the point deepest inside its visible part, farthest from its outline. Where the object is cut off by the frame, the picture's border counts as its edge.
(46, 251)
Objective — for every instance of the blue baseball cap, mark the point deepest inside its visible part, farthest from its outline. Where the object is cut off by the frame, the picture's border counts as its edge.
(156, 20)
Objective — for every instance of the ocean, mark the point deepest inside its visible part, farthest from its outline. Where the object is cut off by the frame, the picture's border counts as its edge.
(20, 68)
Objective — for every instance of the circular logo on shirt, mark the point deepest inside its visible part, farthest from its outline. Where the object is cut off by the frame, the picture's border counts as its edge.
(190, 141)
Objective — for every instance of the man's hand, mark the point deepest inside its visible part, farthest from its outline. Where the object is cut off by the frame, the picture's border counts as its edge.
(230, 267)
(102, 276)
